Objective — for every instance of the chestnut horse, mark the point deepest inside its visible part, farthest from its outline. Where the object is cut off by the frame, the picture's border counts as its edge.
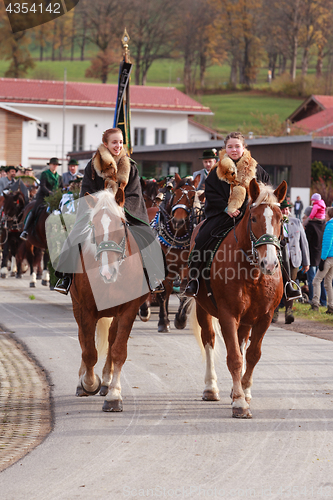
(246, 283)
(174, 226)
(106, 293)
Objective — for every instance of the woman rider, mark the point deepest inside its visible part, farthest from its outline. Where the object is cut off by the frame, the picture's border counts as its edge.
(109, 159)
(225, 206)
(50, 180)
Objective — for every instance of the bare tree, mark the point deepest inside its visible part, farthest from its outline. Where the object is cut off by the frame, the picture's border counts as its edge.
(150, 27)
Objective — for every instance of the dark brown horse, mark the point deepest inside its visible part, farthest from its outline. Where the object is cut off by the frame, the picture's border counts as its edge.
(106, 295)
(246, 283)
(20, 253)
(150, 189)
(173, 226)
(37, 236)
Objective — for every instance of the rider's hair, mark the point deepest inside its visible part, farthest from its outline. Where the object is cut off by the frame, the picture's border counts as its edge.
(235, 135)
(109, 132)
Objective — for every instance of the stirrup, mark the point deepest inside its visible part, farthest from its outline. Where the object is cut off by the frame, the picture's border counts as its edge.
(192, 288)
(63, 285)
(294, 294)
(24, 235)
(159, 288)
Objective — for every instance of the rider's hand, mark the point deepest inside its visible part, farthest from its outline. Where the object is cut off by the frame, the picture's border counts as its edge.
(233, 214)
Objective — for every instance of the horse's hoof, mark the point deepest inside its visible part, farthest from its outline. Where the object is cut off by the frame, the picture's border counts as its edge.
(80, 392)
(115, 405)
(92, 393)
(3, 276)
(241, 413)
(19, 276)
(144, 317)
(163, 328)
(179, 323)
(12, 274)
(45, 283)
(39, 276)
(32, 285)
(210, 396)
(104, 390)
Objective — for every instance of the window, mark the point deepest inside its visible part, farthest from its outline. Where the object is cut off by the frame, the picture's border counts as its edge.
(78, 137)
(139, 137)
(160, 136)
(43, 130)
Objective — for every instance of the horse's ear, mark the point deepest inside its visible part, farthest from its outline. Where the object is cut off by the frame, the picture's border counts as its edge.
(281, 191)
(120, 197)
(177, 178)
(196, 181)
(91, 200)
(254, 189)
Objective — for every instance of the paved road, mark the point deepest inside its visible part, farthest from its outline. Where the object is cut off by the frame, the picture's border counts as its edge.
(168, 443)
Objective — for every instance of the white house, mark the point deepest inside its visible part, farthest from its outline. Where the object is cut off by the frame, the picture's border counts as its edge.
(72, 117)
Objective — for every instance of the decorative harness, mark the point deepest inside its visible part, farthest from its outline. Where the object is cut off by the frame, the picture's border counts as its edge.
(110, 245)
(162, 219)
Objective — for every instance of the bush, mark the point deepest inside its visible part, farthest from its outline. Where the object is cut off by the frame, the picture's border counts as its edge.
(320, 171)
(300, 87)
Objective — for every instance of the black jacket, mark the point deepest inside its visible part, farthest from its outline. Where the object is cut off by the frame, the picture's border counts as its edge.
(314, 231)
(135, 207)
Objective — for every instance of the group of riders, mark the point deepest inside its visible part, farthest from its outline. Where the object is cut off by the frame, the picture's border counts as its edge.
(225, 178)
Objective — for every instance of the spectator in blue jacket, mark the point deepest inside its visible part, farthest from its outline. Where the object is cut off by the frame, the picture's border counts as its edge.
(325, 270)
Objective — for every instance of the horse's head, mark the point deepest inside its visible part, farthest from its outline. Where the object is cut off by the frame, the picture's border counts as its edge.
(182, 202)
(109, 232)
(265, 224)
(13, 207)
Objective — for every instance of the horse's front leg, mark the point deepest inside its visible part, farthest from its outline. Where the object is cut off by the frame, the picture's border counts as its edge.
(253, 353)
(229, 326)
(89, 382)
(163, 301)
(211, 391)
(107, 372)
(118, 355)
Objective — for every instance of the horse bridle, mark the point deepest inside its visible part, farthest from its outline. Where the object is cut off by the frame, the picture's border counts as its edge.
(264, 239)
(110, 245)
(185, 192)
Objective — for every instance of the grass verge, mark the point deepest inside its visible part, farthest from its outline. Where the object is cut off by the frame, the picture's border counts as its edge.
(304, 312)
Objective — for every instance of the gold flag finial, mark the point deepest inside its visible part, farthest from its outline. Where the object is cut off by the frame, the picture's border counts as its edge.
(125, 39)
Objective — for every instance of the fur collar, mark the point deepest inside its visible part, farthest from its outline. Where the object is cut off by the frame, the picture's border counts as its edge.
(109, 167)
(245, 169)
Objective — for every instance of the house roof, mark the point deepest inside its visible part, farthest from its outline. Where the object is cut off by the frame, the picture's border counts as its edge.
(319, 124)
(22, 114)
(101, 95)
(312, 105)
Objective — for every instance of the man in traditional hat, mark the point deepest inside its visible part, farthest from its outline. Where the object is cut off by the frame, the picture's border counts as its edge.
(295, 245)
(50, 180)
(8, 181)
(209, 158)
(69, 176)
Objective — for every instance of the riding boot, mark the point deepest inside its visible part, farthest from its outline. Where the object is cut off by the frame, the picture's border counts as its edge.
(27, 224)
(290, 292)
(192, 287)
(63, 284)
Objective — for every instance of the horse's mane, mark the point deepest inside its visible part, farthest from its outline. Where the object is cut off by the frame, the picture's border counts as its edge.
(266, 195)
(106, 198)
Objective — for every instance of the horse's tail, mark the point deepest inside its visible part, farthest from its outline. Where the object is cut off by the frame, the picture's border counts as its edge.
(197, 330)
(102, 336)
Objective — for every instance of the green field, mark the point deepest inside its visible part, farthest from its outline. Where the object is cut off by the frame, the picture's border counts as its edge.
(234, 110)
